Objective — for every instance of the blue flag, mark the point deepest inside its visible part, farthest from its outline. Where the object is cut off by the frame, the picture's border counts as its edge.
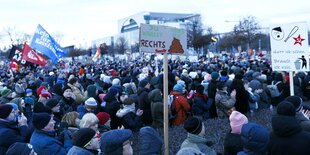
(46, 44)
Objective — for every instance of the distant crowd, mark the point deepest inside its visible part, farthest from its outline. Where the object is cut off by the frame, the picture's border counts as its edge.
(94, 108)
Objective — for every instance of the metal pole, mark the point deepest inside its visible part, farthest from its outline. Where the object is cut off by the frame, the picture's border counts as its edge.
(166, 121)
(291, 83)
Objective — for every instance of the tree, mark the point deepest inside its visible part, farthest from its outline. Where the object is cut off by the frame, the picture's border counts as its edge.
(15, 36)
(247, 30)
(121, 45)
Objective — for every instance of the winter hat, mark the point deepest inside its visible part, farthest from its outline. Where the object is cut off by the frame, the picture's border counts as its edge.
(19, 89)
(45, 93)
(88, 76)
(39, 90)
(6, 92)
(103, 117)
(29, 100)
(143, 83)
(91, 103)
(19, 148)
(116, 81)
(113, 91)
(200, 89)
(40, 107)
(65, 88)
(256, 74)
(286, 108)
(193, 75)
(40, 120)
(5, 110)
(193, 125)
(181, 82)
(178, 88)
(111, 142)
(150, 142)
(83, 136)
(51, 103)
(215, 75)
(296, 101)
(237, 120)
(28, 91)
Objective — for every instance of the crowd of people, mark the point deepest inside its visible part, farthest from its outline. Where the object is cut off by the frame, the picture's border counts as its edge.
(94, 108)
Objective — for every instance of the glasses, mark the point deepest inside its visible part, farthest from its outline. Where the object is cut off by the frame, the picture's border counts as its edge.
(96, 136)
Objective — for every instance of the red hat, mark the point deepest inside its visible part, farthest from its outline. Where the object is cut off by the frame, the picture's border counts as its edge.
(45, 93)
(103, 117)
(39, 90)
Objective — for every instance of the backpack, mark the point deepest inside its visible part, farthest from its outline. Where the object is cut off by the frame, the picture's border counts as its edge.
(273, 89)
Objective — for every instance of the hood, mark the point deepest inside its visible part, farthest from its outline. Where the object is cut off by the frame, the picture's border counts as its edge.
(91, 91)
(141, 90)
(255, 138)
(155, 96)
(109, 97)
(285, 126)
(150, 141)
(126, 110)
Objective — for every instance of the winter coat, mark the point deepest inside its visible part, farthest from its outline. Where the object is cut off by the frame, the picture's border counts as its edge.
(232, 144)
(200, 106)
(75, 150)
(45, 143)
(129, 118)
(157, 107)
(66, 104)
(223, 103)
(145, 105)
(276, 100)
(242, 96)
(112, 106)
(288, 137)
(150, 142)
(10, 134)
(211, 95)
(182, 108)
(303, 121)
(77, 92)
(198, 143)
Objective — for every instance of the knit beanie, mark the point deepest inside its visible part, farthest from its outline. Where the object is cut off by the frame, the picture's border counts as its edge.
(286, 108)
(6, 92)
(178, 88)
(116, 81)
(91, 103)
(40, 120)
(193, 125)
(113, 91)
(29, 100)
(19, 148)
(19, 88)
(65, 88)
(39, 107)
(39, 90)
(111, 142)
(296, 101)
(51, 103)
(143, 83)
(5, 110)
(237, 119)
(103, 117)
(215, 75)
(83, 136)
(28, 91)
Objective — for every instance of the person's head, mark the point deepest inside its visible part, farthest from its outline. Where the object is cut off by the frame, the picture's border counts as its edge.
(296, 101)
(116, 142)
(286, 108)
(221, 86)
(89, 120)
(53, 104)
(72, 118)
(195, 126)
(7, 112)
(113, 92)
(28, 92)
(43, 121)
(19, 148)
(215, 75)
(150, 142)
(90, 104)
(67, 91)
(144, 84)
(116, 81)
(73, 81)
(178, 88)
(104, 118)
(237, 120)
(86, 138)
(129, 101)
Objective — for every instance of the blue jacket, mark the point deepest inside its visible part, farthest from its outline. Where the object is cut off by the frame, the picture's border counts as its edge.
(150, 142)
(45, 143)
(10, 134)
(75, 150)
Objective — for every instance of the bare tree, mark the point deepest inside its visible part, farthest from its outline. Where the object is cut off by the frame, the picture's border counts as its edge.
(121, 45)
(16, 37)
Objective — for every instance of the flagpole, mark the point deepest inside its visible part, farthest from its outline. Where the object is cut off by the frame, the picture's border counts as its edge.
(166, 121)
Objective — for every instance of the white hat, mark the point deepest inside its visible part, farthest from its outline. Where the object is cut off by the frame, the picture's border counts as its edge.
(91, 102)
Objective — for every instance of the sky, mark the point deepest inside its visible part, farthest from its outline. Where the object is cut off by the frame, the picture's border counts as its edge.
(78, 22)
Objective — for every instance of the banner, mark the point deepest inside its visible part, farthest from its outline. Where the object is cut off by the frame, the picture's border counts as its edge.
(29, 55)
(43, 42)
(97, 55)
(16, 55)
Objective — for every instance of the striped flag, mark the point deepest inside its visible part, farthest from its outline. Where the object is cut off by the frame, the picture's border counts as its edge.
(97, 55)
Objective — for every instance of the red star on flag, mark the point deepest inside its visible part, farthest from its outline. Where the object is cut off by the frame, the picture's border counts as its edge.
(298, 40)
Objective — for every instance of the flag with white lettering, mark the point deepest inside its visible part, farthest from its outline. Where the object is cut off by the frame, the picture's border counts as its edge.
(16, 55)
(43, 42)
(29, 55)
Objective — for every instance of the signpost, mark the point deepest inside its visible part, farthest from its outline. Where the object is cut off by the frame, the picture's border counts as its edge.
(163, 39)
(289, 48)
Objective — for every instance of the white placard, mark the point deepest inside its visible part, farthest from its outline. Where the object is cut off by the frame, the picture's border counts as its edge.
(159, 38)
(289, 47)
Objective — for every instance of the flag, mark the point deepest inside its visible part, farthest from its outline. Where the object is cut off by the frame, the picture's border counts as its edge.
(29, 55)
(12, 52)
(250, 52)
(16, 55)
(43, 42)
(97, 55)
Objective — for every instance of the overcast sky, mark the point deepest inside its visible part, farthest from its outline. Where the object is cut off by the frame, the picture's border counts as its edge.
(86, 20)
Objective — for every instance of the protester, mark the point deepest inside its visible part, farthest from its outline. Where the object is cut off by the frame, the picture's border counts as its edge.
(182, 107)
(112, 106)
(19, 148)
(89, 106)
(157, 107)
(200, 105)
(116, 142)
(211, 94)
(144, 102)
(224, 102)
(104, 122)
(150, 142)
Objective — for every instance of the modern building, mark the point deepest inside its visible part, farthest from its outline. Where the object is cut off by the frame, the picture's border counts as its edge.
(128, 27)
